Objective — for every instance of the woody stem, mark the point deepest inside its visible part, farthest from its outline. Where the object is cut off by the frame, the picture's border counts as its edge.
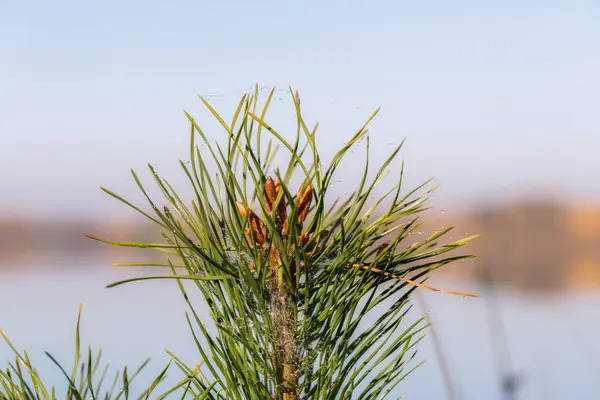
(283, 313)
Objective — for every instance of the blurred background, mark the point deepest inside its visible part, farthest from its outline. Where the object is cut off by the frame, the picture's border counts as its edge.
(497, 100)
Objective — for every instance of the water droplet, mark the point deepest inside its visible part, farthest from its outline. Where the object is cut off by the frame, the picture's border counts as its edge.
(339, 182)
(442, 212)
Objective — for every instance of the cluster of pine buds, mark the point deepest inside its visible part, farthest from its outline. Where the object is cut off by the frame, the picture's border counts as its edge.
(272, 189)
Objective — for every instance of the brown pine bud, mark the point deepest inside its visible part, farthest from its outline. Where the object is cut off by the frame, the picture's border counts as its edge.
(241, 209)
(284, 228)
(304, 203)
(281, 215)
(304, 238)
(258, 227)
(270, 194)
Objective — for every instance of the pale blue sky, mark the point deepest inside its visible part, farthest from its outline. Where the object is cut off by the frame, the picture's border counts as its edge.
(495, 98)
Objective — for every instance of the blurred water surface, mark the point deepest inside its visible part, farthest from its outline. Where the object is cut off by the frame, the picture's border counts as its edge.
(550, 337)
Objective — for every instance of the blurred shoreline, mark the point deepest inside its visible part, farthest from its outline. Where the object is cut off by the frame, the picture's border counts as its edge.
(528, 245)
